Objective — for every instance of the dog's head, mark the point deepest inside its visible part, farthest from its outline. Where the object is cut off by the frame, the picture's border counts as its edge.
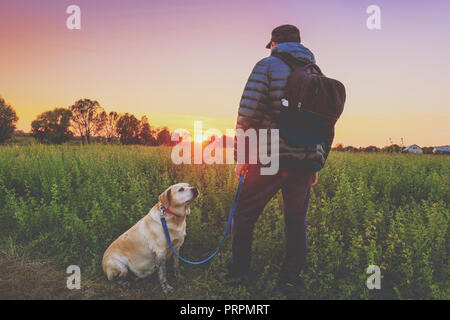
(178, 197)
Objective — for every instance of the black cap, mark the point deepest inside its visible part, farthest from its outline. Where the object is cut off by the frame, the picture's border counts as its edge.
(284, 33)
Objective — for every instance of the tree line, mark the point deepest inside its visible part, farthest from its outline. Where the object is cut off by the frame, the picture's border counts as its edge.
(392, 148)
(88, 120)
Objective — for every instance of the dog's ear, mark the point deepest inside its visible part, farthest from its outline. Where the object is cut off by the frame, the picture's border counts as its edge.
(164, 198)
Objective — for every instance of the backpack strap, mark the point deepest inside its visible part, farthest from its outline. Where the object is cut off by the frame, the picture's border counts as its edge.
(287, 59)
(294, 63)
(314, 66)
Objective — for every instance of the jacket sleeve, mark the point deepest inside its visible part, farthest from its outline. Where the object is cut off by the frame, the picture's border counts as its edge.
(254, 100)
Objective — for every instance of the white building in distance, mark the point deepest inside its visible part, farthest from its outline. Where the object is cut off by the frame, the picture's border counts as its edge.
(414, 148)
(441, 149)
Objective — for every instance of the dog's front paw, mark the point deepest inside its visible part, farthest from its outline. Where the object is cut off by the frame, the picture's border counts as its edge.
(167, 288)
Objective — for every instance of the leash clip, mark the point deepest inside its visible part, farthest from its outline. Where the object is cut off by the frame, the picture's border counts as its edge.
(161, 212)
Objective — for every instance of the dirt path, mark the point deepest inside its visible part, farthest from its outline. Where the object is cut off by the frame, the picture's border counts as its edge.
(22, 278)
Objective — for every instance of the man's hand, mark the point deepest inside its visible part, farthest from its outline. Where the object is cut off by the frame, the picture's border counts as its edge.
(315, 179)
(238, 169)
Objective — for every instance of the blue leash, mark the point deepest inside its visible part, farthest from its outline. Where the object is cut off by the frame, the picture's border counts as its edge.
(230, 218)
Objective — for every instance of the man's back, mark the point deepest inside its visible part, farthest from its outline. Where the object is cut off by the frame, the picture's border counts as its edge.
(262, 100)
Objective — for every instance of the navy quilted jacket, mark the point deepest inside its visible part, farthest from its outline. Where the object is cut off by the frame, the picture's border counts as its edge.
(260, 105)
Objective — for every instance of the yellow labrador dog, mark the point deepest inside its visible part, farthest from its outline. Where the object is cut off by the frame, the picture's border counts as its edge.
(143, 248)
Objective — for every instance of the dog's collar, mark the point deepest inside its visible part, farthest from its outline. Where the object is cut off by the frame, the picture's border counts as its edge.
(163, 210)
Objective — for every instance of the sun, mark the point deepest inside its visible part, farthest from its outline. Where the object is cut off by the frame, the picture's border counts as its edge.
(199, 138)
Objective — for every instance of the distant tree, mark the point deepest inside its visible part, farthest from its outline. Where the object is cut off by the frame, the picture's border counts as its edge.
(128, 129)
(146, 134)
(339, 147)
(164, 137)
(86, 118)
(351, 149)
(370, 149)
(52, 126)
(427, 150)
(109, 121)
(8, 120)
(393, 148)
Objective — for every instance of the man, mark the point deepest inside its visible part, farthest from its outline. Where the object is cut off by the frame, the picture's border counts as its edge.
(259, 109)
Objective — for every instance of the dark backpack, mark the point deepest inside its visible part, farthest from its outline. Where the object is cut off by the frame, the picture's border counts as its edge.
(312, 104)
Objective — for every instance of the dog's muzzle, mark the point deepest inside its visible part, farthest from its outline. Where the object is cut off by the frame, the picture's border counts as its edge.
(195, 192)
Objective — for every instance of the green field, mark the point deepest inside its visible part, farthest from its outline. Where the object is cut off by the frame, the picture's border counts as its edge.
(69, 203)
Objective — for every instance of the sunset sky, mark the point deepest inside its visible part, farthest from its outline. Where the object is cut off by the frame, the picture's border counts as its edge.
(180, 61)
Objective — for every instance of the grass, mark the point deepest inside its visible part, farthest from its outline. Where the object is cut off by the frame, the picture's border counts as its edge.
(65, 204)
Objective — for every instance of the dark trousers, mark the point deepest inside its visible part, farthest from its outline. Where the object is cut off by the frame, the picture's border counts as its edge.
(256, 192)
